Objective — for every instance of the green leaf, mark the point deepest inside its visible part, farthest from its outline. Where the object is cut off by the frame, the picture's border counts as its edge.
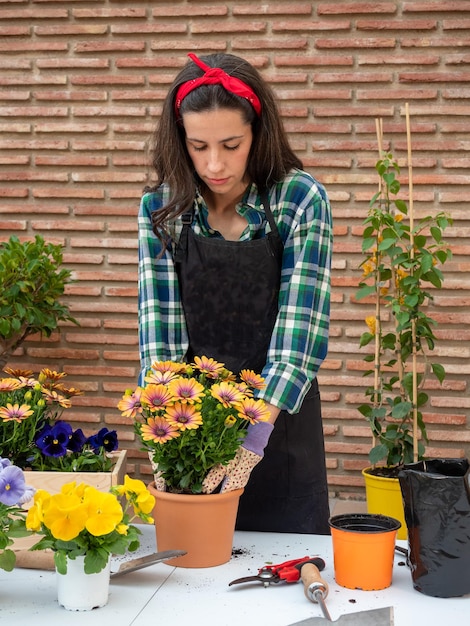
(436, 233)
(386, 244)
(401, 206)
(439, 371)
(401, 410)
(7, 560)
(365, 339)
(378, 453)
(368, 242)
(367, 290)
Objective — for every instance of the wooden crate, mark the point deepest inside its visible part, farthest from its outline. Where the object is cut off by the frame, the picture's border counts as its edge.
(53, 481)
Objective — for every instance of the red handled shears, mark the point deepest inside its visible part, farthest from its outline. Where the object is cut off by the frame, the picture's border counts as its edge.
(289, 571)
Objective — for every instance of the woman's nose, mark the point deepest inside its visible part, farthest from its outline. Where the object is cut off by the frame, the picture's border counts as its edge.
(215, 163)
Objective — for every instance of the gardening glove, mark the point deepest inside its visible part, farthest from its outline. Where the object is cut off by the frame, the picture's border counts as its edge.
(157, 475)
(236, 473)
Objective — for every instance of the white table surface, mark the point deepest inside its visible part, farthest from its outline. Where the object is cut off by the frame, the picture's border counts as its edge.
(162, 594)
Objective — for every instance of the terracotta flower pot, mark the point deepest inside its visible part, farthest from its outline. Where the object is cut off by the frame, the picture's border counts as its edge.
(363, 550)
(203, 525)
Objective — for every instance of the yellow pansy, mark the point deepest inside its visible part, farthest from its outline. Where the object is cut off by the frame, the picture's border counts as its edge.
(104, 512)
(65, 516)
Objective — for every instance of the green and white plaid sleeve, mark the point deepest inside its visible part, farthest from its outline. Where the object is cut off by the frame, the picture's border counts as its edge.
(162, 329)
(299, 342)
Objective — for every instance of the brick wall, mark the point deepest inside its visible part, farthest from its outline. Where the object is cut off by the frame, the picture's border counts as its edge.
(82, 84)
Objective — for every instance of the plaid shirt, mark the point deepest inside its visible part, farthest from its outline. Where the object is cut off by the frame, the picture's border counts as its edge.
(299, 342)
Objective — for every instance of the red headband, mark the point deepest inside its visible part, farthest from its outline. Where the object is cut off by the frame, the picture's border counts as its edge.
(216, 76)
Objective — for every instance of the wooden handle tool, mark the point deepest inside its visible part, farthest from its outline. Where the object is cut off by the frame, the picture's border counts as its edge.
(315, 588)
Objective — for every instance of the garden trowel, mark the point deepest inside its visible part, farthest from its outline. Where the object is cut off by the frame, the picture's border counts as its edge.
(316, 590)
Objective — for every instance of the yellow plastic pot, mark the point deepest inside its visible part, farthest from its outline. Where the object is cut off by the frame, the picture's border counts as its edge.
(384, 497)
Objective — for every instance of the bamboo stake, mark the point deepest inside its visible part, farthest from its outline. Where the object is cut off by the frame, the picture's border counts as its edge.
(413, 321)
(379, 132)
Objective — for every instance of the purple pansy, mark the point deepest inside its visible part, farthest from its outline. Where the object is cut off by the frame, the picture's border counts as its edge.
(105, 438)
(54, 440)
(77, 440)
(12, 485)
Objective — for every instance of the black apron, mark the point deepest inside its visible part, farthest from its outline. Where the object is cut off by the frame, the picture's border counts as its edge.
(229, 292)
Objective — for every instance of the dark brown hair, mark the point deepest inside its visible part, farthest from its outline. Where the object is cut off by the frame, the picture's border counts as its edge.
(270, 157)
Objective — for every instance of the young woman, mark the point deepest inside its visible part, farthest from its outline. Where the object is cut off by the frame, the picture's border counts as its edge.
(234, 263)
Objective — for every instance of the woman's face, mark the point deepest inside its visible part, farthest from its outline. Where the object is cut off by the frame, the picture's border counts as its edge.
(219, 143)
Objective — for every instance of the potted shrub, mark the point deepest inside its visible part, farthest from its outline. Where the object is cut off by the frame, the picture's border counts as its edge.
(32, 282)
(402, 262)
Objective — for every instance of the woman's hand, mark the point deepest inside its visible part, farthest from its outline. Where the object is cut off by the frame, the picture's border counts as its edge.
(236, 473)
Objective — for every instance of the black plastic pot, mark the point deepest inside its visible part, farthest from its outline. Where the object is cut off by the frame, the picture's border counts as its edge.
(436, 495)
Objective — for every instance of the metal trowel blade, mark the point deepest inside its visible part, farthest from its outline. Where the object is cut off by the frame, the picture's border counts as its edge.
(375, 617)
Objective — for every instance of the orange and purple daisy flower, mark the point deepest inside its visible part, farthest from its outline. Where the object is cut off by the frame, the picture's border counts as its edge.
(186, 390)
(208, 366)
(15, 412)
(227, 394)
(183, 416)
(253, 410)
(129, 405)
(158, 430)
(155, 397)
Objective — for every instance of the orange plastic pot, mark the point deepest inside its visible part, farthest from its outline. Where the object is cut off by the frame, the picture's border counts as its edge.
(202, 525)
(363, 550)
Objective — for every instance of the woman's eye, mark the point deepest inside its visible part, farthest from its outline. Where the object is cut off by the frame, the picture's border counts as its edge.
(199, 148)
(232, 147)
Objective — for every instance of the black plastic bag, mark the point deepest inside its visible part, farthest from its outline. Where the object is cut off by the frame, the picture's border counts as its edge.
(436, 497)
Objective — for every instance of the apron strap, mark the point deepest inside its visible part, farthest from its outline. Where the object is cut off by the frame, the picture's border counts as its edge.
(182, 245)
(187, 220)
(267, 210)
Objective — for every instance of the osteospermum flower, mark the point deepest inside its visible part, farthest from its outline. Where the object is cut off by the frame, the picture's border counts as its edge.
(227, 394)
(168, 366)
(253, 410)
(47, 375)
(210, 367)
(252, 379)
(18, 373)
(158, 430)
(129, 405)
(10, 384)
(156, 397)
(51, 395)
(158, 377)
(15, 412)
(183, 416)
(67, 391)
(230, 421)
(187, 390)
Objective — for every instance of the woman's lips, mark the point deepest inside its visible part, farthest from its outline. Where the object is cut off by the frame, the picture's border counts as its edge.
(217, 181)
